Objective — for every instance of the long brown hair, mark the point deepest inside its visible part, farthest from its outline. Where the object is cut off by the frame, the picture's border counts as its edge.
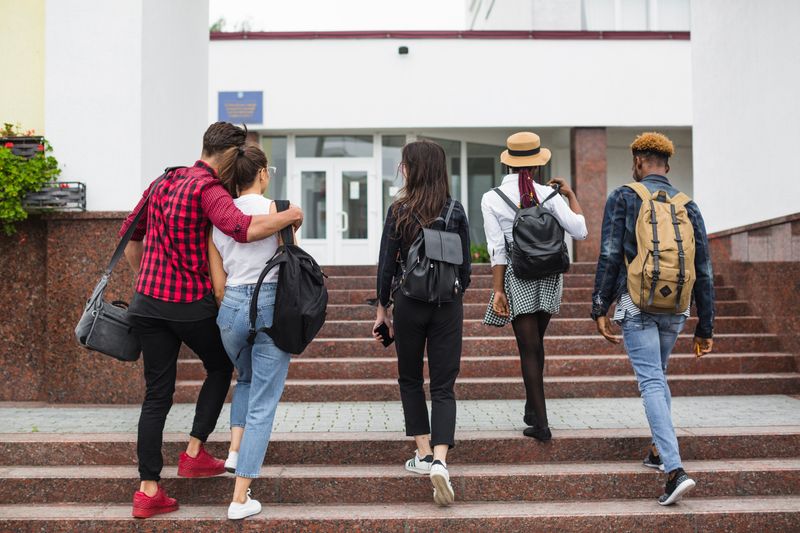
(527, 176)
(425, 190)
(239, 167)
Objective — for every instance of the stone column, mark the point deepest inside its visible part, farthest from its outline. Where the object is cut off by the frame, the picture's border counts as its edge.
(588, 156)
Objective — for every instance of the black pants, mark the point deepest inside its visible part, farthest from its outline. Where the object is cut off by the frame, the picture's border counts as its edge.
(161, 342)
(415, 324)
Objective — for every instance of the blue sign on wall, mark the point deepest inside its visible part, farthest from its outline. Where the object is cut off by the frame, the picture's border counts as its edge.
(241, 107)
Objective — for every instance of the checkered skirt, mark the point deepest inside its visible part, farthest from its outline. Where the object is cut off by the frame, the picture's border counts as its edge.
(527, 296)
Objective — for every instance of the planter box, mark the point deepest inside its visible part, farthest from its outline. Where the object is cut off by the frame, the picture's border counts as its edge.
(26, 147)
(65, 195)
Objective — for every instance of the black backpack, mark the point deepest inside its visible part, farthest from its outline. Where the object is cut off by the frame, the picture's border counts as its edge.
(430, 272)
(539, 249)
(301, 299)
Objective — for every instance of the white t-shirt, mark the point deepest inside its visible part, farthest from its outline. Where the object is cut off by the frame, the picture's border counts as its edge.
(243, 262)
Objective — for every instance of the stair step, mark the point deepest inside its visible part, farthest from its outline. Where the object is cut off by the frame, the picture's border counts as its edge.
(570, 294)
(509, 366)
(476, 281)
(774, 514)
(342, 329)
(336, 448)
(511, 388)
(478, 269)
(554, 345)
(319, 484)
(476, 311)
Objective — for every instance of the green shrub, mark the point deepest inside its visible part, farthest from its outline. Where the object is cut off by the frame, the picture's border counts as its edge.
(19, 176)
(480, 254)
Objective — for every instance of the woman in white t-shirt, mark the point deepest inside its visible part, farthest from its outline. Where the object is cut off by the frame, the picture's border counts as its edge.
(261, 367)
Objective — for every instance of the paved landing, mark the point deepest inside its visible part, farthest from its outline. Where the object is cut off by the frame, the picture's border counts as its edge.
(578, 413)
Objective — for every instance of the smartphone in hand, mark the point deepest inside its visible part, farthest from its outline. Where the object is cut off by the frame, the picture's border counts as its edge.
(383, 331)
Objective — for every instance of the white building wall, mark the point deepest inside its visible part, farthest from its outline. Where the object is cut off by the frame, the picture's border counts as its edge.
(457, 83)
(125, 83)
(93, 86)
(746, 135)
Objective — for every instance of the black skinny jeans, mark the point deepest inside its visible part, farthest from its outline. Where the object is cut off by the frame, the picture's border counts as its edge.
(161, 342)
(415, 324)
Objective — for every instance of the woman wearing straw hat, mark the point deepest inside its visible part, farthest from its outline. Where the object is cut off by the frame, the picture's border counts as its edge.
(527, 304)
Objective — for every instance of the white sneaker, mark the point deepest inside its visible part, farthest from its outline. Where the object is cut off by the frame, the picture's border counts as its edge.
(237, 511)
(231, 461)
(419, 465)
(442, 489)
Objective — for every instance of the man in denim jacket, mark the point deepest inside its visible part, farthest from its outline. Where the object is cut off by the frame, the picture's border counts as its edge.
(650, 338)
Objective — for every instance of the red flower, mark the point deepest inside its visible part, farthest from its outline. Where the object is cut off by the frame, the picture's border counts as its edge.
(9, 145)
(40, 148)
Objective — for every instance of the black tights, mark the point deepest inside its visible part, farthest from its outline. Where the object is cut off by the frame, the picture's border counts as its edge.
(529, 330)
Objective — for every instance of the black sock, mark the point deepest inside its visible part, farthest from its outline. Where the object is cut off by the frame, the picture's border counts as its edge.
(427, 458)
(437, 462)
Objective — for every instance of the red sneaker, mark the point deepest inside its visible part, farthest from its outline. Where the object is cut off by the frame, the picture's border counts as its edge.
(144, 506)
(204, 465)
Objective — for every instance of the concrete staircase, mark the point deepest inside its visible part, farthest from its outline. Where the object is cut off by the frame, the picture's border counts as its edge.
(748, 478)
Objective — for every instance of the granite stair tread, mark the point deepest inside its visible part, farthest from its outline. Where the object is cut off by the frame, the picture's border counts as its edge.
(385, 447)
(361, 311)
(779, 513)
(369, 483)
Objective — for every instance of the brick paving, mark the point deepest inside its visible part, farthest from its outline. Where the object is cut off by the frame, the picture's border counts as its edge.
(575, 413)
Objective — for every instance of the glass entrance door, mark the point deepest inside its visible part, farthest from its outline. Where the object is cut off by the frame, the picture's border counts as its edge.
(337, 198)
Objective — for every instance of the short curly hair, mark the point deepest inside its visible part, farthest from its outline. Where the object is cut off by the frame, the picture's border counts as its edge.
(653, 143)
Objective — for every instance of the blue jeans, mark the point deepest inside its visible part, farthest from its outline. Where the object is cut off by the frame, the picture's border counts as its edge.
(649, 340)
(261, 369)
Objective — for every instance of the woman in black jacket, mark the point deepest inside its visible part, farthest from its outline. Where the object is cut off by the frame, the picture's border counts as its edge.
(425, 196)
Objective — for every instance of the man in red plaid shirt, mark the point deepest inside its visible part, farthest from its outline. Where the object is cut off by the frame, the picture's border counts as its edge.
(174, 304)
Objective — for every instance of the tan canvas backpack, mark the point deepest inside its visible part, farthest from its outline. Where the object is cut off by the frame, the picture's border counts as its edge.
(662, 275)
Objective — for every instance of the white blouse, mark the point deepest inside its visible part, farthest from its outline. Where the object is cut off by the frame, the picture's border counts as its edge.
(498, 218)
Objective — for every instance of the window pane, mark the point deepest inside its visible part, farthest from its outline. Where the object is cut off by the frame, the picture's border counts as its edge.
(484, 171)
(673, 15)
(354, 203)
(275, 148)
(334, 146)
(633, 15)
(312, 183)
(599, 15)
(391, 177)
(452, 150)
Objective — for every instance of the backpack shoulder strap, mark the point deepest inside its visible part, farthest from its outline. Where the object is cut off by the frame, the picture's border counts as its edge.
(286, 233)
(556, 190)
(681, 199)
(643, 192)
(507, 200)
(449, 212)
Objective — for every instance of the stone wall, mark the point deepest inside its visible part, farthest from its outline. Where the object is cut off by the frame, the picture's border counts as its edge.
(763, 262)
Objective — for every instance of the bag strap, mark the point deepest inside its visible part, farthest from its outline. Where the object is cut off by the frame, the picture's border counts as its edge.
(506, 199)
(449, 212)
(279, 257)
(286, 233)
(556, 191)
(681, 199)
(120, 251)
(639, 188)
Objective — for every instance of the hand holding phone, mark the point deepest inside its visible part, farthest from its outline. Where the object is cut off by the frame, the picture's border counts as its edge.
(383, 331)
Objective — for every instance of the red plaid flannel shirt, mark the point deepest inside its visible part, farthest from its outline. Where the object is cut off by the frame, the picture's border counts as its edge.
(175, 228)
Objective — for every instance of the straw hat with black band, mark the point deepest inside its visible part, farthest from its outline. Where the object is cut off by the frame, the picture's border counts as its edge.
(525, 150)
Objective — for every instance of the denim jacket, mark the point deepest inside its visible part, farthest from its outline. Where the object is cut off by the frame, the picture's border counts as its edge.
(619, 236)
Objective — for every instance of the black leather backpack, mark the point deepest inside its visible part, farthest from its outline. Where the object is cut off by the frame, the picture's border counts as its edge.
(538, 249)
(301, 299)
(430, 272)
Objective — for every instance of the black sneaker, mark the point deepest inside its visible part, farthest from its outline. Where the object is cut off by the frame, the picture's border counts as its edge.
(653, 461)
(677, 485)
(540, 434)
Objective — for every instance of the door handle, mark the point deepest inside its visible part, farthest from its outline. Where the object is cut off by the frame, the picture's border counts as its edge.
(345, 222)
